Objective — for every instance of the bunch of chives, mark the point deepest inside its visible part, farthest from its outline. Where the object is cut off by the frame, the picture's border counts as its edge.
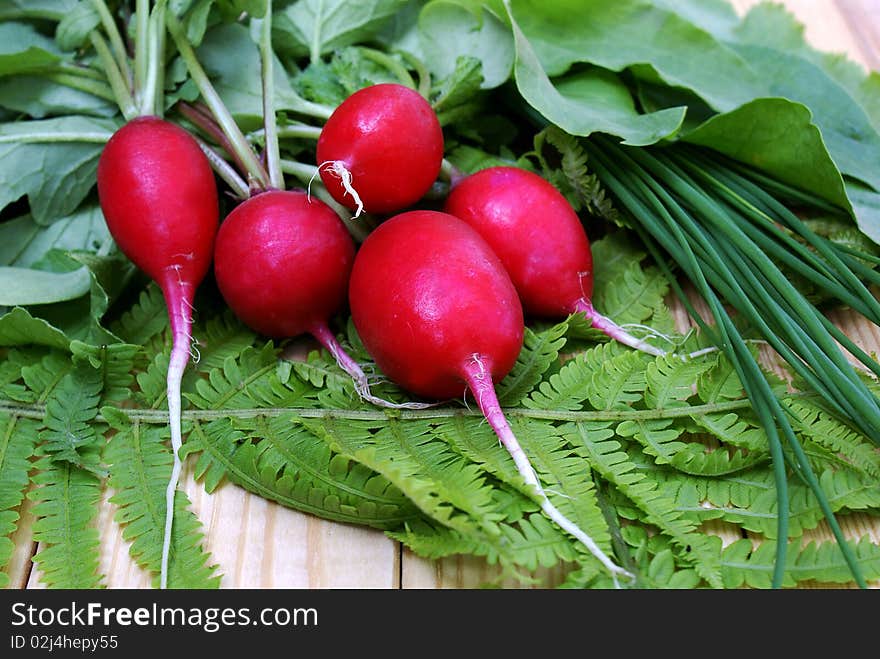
(726, 228)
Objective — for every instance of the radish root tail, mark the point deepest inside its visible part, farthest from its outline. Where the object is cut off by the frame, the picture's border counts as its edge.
(481, 385)
(178, 299)
(361, 383)
(338, 169)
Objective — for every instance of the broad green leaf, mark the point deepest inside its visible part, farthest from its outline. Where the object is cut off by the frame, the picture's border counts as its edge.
(23, 242)
(448, 30)
(592, 100)
(23, 49)
(19, 328)
(851, 139)
(51, 9)
(230, 57)
(74, 28)
(41, 97)
(617, 35)
(24, 286)
(317, 27)
(52, 161)
(779, 137)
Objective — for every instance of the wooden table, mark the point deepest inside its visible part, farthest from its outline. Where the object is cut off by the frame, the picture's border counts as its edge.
(259, 544)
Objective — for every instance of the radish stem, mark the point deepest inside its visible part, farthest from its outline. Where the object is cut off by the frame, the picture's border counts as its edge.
(267, 55)
(117, 81)
(119, 52)
(479, 381)
(253, 167)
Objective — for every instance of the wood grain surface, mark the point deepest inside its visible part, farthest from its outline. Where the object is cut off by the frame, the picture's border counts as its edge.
(259, 544)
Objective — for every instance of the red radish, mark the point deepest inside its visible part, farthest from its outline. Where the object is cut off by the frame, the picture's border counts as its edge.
(282, 262)
(541, 241)
(381, 149)
(159, 198)
(436, 309)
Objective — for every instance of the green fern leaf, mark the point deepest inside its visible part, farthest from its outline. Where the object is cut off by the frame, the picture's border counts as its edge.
(441, 483)
(817, 562)
(70, 410)
(11, 387)
(139, 463)
(634, 296)
(658, 437)
(115, 363)
(595, 442)
(227, 386)
(65, 514)
(18, 439)
(220, 338)
(145, 320)
(617, 381)
(288, 464)
(474, 439)
(732, 429)
(699, 460)
(671, 380)
(816, 424)
(540, 350)
(43, 376)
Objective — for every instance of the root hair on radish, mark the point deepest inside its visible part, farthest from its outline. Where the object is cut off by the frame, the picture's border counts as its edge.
(340, 171)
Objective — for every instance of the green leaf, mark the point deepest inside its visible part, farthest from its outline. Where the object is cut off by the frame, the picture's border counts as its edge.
(591, 100)
(53, 10)
(317, 27)
(23, 49)
(612, 35)
(449, 30)
(19, 328)
(460, 85)
(23, 286)
(24, 242)
(52, 161)
(73, 30)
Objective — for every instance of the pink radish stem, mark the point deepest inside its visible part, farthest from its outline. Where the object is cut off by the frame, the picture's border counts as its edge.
(361, 384)
(615, 331)
(479, 381)
(179, 300)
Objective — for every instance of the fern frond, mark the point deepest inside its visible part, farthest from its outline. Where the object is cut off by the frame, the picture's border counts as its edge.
(617, 381)
(519, 549)
(634, 296)
(658, 437)
(65, 514)
(540, 350)
(115, 362)
(18, 439)
(281, 460)
(227, 386)
(139, 465)
(218, 339)
(732, 429)
(143, 321)
(474, 439)
(816, 424)
(11, 387)
(699, 460)
(44, 375)
(670, 380)
(743, 564)
(70, 433)
(595, 442)
(567, 480)
(440, 482)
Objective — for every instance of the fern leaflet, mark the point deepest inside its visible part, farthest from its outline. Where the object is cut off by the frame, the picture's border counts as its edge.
(140, 465)
(66, 511)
